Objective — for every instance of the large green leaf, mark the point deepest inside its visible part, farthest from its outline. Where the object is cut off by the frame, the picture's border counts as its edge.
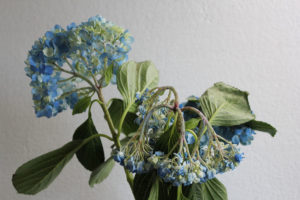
(102, 172)
(116, 110)
(82, 105)
(38, 173)
(262, 126)
(90, 155)
(135, 77)
(169, 138)
(192, 123)
(167, 191)
(210, 190)
(142, 185)
(154, 192)
(225, 105)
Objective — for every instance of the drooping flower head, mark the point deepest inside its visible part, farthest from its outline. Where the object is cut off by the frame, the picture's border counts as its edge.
(89, 49)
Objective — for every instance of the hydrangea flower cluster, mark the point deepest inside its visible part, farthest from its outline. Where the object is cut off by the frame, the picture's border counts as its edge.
(158, 119)
(181, 165)
(180, 168)
(89, 49)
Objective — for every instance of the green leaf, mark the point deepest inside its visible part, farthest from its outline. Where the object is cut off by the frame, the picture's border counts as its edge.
(81, 105)
(225, 105)
(133, 108)
(262, 126)
(154, 192)
(108, 74)
(167, 191)
(92, 154)
(210, 190)
(215, 189)
(102, 172)
(135, 77)
(169, 138)
(142, 185)
(116, 110)
(38, 173)
(192, 123)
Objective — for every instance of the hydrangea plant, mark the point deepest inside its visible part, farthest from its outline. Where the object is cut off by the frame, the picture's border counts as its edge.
(169, 150)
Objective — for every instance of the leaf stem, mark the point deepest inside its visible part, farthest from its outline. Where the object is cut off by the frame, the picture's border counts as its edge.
(122, 119)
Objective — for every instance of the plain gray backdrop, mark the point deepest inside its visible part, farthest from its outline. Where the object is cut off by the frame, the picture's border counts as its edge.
(253, 45)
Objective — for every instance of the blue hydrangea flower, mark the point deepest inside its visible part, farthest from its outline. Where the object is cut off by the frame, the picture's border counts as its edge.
(239, 157)
(189, 137)
(88, 48)
(237, 134)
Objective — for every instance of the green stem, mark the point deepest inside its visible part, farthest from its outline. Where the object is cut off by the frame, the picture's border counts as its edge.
(108, 119)
(179, 188)
(57, 67)
(129, 178)
(194, 134)
(106, 136)
(122, 119)
(115, 137)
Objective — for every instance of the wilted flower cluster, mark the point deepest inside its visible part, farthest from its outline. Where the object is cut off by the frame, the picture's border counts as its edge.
(89, 49)
(181, 165)
(157, 120)
(179, 168)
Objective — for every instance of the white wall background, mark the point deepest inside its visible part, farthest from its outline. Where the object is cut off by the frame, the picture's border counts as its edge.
(252, 44)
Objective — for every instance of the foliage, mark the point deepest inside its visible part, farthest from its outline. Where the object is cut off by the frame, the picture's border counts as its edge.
(169, 150)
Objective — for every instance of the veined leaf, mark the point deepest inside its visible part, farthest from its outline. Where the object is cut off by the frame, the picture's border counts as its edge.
(225, 105)
(142, 185)
(38, 173)
(210, 190)
(116, 110)
(102, 172)
(262, 126)
(169, 138)
(167, 191)
(154, 192)
(135, 77)
(81, 105)
(192, 123)
(90, 155)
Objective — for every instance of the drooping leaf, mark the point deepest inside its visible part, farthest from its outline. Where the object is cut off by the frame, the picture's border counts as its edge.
(192, 123)
(135, 77)
(262, 126)
(101, 172)
(38, 173)
(210, 190)
(169, 138)
(154, 192)
(92, 154)
(225, 105)
(116, 110)
(81, 105)
(142, 185)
